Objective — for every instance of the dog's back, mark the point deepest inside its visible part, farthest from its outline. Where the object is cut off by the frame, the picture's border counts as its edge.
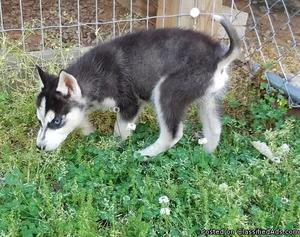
(145, 56)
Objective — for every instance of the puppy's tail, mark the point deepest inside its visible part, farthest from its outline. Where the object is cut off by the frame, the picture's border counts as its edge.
(235, 42)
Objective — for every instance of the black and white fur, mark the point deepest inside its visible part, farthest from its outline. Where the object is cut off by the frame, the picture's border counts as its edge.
(169, 67)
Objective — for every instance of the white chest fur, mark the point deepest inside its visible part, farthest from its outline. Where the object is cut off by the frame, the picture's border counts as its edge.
(104, 105)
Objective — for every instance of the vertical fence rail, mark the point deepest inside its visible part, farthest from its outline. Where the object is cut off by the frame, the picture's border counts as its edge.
(60, 24)
(114, 18)
(78, 24)
(147, 15)
(130, 16)
(22, 25)
(96, 21)
(164, 13)
(42, 31)
(1, 18)
(213, 12)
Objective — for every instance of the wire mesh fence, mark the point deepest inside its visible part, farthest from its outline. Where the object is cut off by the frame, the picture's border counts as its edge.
(269, 28)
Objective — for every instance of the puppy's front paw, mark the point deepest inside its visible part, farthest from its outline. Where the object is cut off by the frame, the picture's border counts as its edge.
(210, 147)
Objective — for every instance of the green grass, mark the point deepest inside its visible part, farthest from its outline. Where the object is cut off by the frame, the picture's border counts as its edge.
(94, 186)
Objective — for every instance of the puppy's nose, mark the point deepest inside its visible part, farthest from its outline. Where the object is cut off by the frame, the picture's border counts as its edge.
(40, 147)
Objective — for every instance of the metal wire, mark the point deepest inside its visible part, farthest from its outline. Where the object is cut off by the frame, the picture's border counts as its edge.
(22, 25)
(42, 32)
(78, 20)
(130, 22)
(164, 13)
(114, 18)
(147, 16)
(1, 17)
(96, 21)
(60, 24)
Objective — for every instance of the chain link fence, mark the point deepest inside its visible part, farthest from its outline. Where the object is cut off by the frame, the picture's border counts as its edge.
(269, 28)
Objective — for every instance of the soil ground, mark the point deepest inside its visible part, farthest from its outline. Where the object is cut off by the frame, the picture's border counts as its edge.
(69, 19)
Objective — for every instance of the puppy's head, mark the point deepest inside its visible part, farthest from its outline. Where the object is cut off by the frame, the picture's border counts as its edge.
(60, 109)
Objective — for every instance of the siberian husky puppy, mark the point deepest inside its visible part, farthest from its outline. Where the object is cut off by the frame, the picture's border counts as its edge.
(171, 68)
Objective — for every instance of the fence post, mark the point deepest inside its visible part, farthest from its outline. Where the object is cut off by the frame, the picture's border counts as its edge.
(166, 7)
(203, 23)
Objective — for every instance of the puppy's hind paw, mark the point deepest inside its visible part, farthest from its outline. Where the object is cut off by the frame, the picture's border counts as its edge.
(137, 155)
(145, 153)
(149, 151)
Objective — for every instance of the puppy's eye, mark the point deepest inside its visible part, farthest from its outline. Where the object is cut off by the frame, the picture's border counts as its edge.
(56, 122)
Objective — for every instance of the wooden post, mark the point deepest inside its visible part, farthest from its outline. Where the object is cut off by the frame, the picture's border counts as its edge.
(167, 7)
(202, 23)
(205, 22)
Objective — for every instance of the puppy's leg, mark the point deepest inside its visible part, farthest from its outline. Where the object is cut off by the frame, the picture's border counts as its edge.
(169, 118)
(124, 119)
(86, 127)
(121, 128)
(208, 114)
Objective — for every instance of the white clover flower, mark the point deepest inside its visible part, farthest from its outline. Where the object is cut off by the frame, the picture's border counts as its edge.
(284, 200)
(131, 126)
(264, 149)
(285, 148)
(126, 198)
(163, 200)
(165, 211)
(223, 187)
(202, 141)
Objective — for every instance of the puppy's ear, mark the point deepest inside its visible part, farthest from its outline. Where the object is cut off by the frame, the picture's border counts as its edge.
(43, 75)
(67, 85)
